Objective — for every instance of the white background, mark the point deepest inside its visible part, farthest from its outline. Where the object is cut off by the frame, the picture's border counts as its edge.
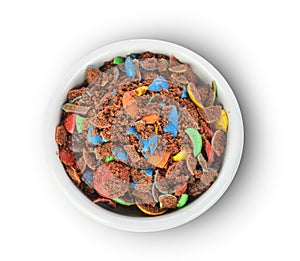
(254, 44)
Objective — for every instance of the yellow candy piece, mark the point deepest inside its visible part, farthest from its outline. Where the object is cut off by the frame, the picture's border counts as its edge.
(194, 96)
(182, 155)
(152, 211)
(156, 128)
(140, 90)
(222, 122)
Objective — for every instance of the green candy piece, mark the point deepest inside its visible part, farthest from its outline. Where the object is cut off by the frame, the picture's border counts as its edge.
(196, 139)
(109, 159)
(182, 201)
(118, 60)
(79, 121)
(215, 87)
(122, 202)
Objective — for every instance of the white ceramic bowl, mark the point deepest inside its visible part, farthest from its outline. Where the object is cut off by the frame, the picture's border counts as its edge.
(204, 70)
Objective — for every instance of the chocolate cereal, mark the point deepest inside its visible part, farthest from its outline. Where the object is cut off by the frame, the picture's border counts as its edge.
(142, 134)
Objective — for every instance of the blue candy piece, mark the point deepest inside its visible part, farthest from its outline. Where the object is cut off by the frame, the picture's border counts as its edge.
(114, 92)
(119, 153)
(133, 55)
(132, 130)
(149, 145)
(163, 105)
(148, 172)
(111, 100)
(184, 93)
(88, 178)
(91, 66)
(158, 84)
(172, 126)
(130, 69)
(95, 139)
(133, 185)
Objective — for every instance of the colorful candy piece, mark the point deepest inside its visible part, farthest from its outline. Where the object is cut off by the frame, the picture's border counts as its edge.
(127, 97)
(79, 123)
(105, 174)
(184, 93)
(172, 126)
(67, 157)
(158, 84)
(163, 105)
(214, 88)
(148, 172)
(118, 60)
(70, 122)
(149, 145)
(194, 94)
(94, 139)
(140, 91)
(130, 69)
(119, 153)
(159, 161)
(196, 140)
(156, 127)
(149, 210)
(132, 130)
(222, 122)
(69, 107)
(122, 202)
(88, 178)
(109, 159)
(181, 68)
(209, 152)
(182, 201)
(181, 190)
(151, 118)
(181, 155)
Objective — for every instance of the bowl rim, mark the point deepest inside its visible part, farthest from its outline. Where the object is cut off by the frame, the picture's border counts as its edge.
(179, 217)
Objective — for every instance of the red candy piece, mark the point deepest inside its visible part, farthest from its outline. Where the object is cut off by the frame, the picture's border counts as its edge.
(67, 157)
(209, 152)
(181, 190)
(70, 122)
(104, 174)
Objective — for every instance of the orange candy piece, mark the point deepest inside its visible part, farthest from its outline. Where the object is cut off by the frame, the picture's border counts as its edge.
(150, 119)
(159, 161)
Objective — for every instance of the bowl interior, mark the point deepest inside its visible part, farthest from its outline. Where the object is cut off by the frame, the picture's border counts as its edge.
(231, 158)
